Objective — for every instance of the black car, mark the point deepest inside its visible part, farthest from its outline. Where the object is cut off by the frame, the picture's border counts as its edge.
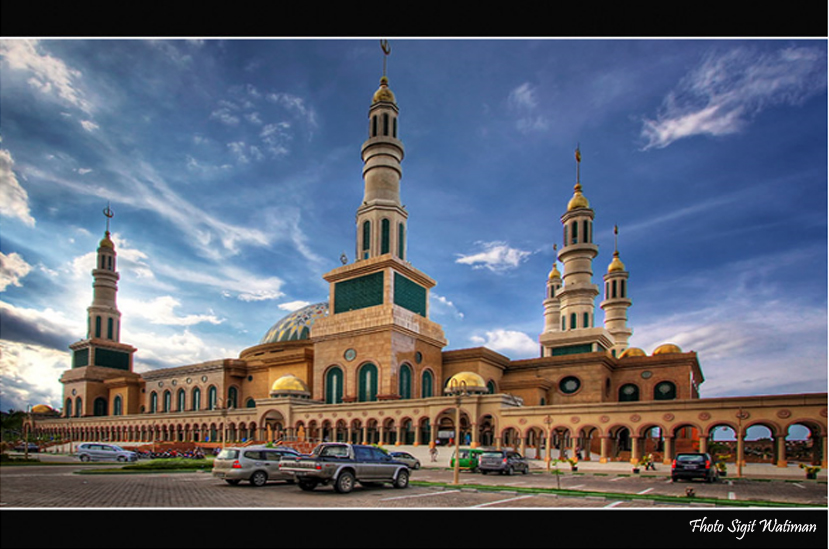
(505, 462)
(693, 465)
(21, 447)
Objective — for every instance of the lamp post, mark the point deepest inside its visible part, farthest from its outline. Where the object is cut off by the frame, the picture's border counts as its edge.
(458, 389)
(738, 450)
(548, 421)
(26, 430)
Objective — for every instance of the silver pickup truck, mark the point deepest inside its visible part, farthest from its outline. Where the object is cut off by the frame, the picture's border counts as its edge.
(342, 465)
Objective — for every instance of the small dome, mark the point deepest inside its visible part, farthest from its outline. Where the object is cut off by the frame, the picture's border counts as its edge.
(42, 409)
(632, 351)
(470, 381)
(289, 383)
(666, 349)
(383, 93)
(297, 325)
(616, 265)
(554, 273)
(106, 242)
(578, 200)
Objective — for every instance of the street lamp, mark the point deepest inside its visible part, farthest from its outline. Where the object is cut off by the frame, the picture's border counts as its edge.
(458, 389)
(27, 429)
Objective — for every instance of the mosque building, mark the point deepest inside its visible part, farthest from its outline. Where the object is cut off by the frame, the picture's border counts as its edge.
(369, 365)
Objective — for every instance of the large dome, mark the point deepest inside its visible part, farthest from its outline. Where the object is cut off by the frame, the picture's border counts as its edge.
(296, 325)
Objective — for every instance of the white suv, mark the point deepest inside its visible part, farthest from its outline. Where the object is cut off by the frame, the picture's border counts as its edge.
(256, 464)
(96, 451)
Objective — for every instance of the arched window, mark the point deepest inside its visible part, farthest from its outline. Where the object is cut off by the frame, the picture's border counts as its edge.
(78, 407)
(586, 320)
(250, 403)
(373, 126)
(367, 386)
(366, 238)
(180, 400)
(427, 384)
(118, 406)
(211, 398)
(68, 408)
(575, 232)
(628, 393)
(334, 386)
(97, 326)
(490, 387)
(196, 398)
(385, 123)
(394, 127)
(573, 321)
(384, 236)
(613, 292)
(232, 397)
(110, 330)
(586, 231)
(168, 401)
(99, 407)
(623, 290)
(664, 390)
(153, 402)
(563, 323)
(405, 381)
(401, 241)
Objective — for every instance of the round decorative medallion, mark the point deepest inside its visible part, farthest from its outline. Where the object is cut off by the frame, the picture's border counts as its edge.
(188, 380)
(348, 414)
(783, 414)
(74, 392)
(161, 384)
(646, 374)
(307, 416)
(174, 382)
(416, 411)
(522, 421)
(704, 416)
(823, 412)
(668, 417)
(635, 418)
(381, 412)
(575, 419)
(204, 378)
(365, 413)
(742, 415)
(350, 354)
(418, 357)
(398, 412)
(319, 415)
(604, 419)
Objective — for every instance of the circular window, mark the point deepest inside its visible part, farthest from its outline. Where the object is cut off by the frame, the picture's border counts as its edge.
(418, 357)
(569, 385)
(189, 380)
(161, 384)
(250, 378)
(204, 378)
(74, 392)
(175, 382)
(646, 374)
(350, 354)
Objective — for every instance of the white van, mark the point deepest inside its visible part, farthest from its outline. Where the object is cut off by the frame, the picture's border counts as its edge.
(98, 451)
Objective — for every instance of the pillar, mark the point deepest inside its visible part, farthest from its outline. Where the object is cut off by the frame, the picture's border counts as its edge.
(740, 457)
(523, 447)
(365, 434)
(574, 446)
(781, 451)
(703, 445)
(823, 459)
(434, 435)
(668, 449)
(475, 436)
(635, 453)
(605, 445)
(399, 435)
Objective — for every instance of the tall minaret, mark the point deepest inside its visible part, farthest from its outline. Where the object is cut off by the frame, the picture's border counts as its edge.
(101, 380)
(103, 316)
(552, 304)
(381, 219)
(379, 304)
(616, 300)
(575, 332)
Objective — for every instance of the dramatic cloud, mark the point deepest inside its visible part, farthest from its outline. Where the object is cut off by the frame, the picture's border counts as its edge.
(12, 268)
(523, 103)
(508, 342)
(293, 305)
(721, 95)
(440, 305)
(161, 310)
(496, 256)
(14, 200)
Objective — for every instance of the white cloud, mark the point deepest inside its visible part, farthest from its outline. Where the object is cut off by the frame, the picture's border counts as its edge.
(12, 268)
(496, 256)
(89, 125)
(29, 375)
(48, 74)
(522, 101)
(720, 96)
(507, 341)
(294, 305)
(440, 304)
(14, 200)
(161, 310)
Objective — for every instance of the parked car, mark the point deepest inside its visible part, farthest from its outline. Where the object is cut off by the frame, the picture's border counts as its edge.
(255, 464)
(469, 458)
(344, 465)
(407, 458)
(97, 451)
(21, 447)
(505, 462)
(693, 465)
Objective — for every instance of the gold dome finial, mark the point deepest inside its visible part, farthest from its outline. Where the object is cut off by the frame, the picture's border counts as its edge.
(578, 200)
(108, 213)
(384, 93)
(615, 265)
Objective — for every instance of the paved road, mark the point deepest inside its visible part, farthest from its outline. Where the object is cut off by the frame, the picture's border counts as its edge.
(59, 486)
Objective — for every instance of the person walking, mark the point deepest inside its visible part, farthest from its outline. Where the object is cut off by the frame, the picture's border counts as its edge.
(433, 451)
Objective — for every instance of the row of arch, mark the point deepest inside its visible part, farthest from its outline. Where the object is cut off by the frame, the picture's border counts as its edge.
(159, 404)
(385, 238)
(367, 382)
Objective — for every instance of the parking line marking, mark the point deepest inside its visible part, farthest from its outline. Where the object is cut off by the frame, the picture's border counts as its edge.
(502, 501)
(732, 495)
(617, 478)
(645, 491)
(668, 481)
(574, 487)
(798, 485)
(614, 504)
(422, 495)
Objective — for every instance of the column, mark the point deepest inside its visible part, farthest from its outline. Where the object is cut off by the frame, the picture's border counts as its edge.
(605, 444)
(399, 435)
(523, 447)
(475, 436)
(574, 446)
(585, 450)
(781, 451)
(365, 434)
(434, 428)
(740, 457)
(668, 449)
(823, 460)
(635, 454)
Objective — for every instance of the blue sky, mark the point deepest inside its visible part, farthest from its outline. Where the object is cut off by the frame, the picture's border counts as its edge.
(233, 168)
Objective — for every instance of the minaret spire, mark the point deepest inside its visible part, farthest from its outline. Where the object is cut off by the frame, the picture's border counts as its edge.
(616, 301)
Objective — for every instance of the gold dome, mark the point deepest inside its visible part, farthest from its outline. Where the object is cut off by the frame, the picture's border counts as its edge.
(41, 409)
(632, 351)
(470, 381)
(289, 382)
(616, 265)
(106, 242)
(383, 93)
(667, 348)
(578, 200)
(554, 273)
